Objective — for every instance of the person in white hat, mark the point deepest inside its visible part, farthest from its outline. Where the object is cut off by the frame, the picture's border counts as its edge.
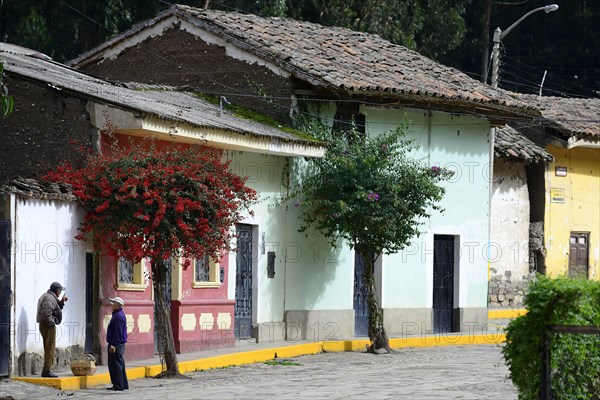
(116, 337)
(49, 314)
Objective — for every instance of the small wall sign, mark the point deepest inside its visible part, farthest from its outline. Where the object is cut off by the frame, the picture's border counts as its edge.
(560, 171)
(557, 195)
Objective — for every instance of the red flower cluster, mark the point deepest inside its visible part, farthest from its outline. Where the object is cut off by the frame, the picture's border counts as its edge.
(143, 202)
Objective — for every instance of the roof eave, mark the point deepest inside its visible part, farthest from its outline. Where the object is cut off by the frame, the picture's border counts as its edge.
(149, 124)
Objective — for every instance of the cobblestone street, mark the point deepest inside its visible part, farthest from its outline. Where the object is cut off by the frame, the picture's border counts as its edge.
(454, 372)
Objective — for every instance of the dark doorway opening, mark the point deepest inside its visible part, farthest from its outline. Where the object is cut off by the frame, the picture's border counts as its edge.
(5, 298)
(443, 283)
(361, 292)
(89, 303)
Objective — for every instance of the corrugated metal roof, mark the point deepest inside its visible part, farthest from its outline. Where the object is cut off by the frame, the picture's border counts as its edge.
(164, 103)
(336, 58)
(34, 189)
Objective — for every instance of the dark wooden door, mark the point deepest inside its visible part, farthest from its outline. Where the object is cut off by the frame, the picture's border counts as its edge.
(578, 255)
(443, 283)
(361, 309)
(89, 303)
(5, 297)
(243, 284)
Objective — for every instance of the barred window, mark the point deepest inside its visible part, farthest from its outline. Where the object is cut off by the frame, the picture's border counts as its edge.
(202, 267)
(125, 270)
(130, 275)
(207, 273)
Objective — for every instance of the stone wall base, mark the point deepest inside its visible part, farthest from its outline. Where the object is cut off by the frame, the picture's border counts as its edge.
(268, 332)
(407, 321)
(319, 325)
(402, 322)
(30, 364)
(507, 290)
(472, 319)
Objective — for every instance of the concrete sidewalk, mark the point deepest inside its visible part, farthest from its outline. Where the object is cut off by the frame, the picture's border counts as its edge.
(249, 353)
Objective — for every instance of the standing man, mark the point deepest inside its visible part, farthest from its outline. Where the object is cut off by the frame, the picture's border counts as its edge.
(116, 336)
(49, 314)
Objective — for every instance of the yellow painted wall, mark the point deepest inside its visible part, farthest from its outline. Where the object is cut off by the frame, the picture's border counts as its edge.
(580, 211)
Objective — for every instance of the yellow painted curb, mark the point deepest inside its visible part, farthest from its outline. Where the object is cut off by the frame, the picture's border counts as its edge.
(250, 357)
(423, 341)
(80, 382)
(51, 382)
(255, 356)
(505, 314)
(448, 340)
(346, 345)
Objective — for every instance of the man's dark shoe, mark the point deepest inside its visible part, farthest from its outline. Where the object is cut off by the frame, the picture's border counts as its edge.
(114, 388)
(49, 375)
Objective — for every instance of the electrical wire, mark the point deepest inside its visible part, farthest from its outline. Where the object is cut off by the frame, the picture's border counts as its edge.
(538, 72)
(234, 91)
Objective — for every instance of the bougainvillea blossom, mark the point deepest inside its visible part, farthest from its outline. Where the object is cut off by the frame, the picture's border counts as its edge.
(140, 201)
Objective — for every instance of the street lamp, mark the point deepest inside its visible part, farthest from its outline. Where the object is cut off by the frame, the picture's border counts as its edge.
(499, 35)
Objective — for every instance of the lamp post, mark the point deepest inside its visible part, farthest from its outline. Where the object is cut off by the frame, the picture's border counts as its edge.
(499, 35)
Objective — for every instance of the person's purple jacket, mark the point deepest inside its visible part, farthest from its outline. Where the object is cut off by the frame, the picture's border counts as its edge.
(116, 332)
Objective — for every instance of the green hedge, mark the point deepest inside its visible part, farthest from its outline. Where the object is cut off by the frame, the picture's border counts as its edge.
(575, 359)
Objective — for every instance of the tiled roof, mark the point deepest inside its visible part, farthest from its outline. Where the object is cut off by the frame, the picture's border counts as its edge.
(509, 143)
(337, 59)
(573, 116)
(164, 103)
(31, 188)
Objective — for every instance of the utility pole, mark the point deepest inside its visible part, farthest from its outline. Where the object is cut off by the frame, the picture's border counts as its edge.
(499, 35)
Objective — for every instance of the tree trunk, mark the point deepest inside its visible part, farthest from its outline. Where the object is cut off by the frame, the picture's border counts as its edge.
(377, 334)
(162, 318)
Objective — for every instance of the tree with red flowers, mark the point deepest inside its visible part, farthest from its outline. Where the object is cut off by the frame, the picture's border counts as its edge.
(144, 203)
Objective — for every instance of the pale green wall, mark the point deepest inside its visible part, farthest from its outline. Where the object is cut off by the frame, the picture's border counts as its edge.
(322, 278)
(265, 173)
(319, 276)
(462, 144)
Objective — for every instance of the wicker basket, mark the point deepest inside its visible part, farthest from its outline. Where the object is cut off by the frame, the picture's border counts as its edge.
(84, 364)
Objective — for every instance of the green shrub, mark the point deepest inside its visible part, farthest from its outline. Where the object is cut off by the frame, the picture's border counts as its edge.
(575, 358)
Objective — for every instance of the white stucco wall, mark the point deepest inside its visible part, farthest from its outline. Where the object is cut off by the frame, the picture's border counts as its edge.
(510, 219)
(44, 251)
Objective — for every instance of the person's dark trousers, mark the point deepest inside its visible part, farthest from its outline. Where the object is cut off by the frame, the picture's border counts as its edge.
(49, 340)
(116, 368)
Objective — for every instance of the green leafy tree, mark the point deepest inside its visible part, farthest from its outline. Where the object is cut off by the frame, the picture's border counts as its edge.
(144, 203)
(574, 358)
(6, 101)
(64, 29)
(370, 192)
